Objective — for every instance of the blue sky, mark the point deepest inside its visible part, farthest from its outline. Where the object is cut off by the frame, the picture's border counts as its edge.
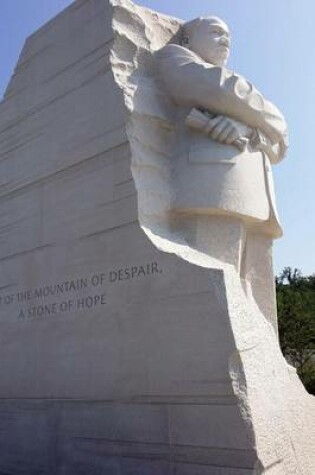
(272, 45)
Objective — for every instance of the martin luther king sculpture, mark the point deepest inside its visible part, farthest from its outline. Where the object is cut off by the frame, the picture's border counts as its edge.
(203, 140)
(228, 136)
(161, 356)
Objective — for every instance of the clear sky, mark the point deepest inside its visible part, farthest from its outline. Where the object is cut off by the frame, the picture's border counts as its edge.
(272, 46)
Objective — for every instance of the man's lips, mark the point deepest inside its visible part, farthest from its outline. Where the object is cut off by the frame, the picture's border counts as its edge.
(224, 49)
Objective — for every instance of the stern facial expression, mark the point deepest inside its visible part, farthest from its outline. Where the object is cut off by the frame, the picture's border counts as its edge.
(211, 41)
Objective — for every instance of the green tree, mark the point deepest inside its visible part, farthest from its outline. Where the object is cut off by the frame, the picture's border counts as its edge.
(296, 316)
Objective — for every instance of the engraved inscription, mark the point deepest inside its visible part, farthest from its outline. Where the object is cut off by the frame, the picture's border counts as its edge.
(77, 294)
(134, 272)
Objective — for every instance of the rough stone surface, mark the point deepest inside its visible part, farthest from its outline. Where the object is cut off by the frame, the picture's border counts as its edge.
(123, 349)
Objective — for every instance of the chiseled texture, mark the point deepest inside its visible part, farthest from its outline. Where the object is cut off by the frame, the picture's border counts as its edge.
(272, 400)
(178, 373)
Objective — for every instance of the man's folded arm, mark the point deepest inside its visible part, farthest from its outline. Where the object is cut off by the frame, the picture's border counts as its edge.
(193, 83)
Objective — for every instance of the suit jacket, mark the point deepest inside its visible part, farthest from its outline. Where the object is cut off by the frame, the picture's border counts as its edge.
(237, 183)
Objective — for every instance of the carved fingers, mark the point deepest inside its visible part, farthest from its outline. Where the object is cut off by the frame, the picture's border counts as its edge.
(223, 130)
(229, 135)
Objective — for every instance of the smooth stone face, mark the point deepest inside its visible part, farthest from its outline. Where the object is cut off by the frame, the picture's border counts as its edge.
(98, 335)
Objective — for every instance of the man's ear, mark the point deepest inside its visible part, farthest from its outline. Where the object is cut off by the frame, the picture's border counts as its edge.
(185, 40)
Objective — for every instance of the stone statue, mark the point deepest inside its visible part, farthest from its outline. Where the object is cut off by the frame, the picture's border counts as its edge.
(228, 134)
(161, 359)
(202, 141)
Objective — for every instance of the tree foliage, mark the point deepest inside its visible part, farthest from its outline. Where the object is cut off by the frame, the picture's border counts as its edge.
(296, 317)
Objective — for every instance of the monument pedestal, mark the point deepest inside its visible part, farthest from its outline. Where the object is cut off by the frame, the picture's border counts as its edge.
(123, 349)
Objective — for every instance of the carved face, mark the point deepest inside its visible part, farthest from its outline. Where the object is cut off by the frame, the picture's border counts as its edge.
(211, 41)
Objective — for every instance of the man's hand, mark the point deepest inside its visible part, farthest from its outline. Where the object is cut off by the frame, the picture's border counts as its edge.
(225, 130)
(220, 128)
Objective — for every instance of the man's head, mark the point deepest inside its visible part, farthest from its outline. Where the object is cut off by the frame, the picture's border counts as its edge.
(209, 38)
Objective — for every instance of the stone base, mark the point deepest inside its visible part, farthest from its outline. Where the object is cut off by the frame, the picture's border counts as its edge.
(98, 438)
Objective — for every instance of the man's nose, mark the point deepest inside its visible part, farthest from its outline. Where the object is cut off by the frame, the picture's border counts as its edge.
(225, 41)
